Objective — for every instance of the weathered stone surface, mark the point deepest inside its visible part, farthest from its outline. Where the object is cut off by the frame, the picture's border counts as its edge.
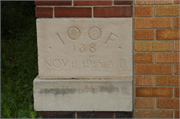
(83, 95)
(84, 48)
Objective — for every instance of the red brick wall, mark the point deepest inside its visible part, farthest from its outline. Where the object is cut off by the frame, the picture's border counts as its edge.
(156, 49)
(83, 8)
(156, 26)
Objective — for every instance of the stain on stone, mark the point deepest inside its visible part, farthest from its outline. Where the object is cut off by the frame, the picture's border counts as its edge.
(109, 89)
(57, 91)
(86, 89)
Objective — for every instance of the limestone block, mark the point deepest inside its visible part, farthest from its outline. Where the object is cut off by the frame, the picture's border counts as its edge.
(83, 95)
(84, 48)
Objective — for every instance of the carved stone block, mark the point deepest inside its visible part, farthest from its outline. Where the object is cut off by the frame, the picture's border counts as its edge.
(85, 48)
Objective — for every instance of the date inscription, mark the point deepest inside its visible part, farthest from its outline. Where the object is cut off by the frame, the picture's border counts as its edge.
(84, 64)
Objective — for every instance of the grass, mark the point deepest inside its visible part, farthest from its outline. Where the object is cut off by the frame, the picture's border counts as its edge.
(18, 70)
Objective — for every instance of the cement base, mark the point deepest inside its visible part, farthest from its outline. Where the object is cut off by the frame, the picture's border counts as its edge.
(83, 94)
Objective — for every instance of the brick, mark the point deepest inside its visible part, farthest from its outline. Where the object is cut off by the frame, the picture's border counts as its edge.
(124, 115)
(143, 11)
(151, 2)
(177, 1)
(167, 80)
(56, 114)
(122, 11)
(154, 114)
(144, 80)
(61, 2)
(153, 46)
(169, 34)
(176, 92)
(168, 103)
(95, 114)
(171, 10)
(92, 2)
(167, 57)
(122, 2)
(176, 46)
(176, 69)
(144, 35)
(144, 58)
(153, 69)
(144, 103)
(176, 22)
(72, 12)
(44, 12)
(177, 114)
(153, 23)
(153, 92)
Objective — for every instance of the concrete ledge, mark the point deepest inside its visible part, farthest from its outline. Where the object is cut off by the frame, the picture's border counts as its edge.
(82, 95)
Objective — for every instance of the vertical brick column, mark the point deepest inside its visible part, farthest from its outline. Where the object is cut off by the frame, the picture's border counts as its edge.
(156, 51)
(84, 9)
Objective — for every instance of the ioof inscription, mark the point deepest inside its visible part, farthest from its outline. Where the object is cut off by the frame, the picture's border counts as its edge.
(74, 33)
(70, 48)
(94, 33)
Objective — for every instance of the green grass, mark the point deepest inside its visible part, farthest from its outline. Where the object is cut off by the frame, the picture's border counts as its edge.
(18, 69)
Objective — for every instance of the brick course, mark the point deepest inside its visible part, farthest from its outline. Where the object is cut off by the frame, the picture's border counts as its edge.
(153, 46)
(61, 2)
(177, 114)
(95, 115)
(144, 58)
(56, 114)
(176, 22)
(153, 22)
(144, 11)
(167, 57)
(144, 103)
(177, 1)
(153, 92)
(167, 10)
(176, 92)
(144, 80)
(154, 114)
(45, 12)
(176, 46)
(144, 34)
(122, 11)
(170, 34)
(150, 2)
(168, 103)
(92, 2)
(176, 69)
(72, 12)
(122, 2)
(153, 69)
(167, 80)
